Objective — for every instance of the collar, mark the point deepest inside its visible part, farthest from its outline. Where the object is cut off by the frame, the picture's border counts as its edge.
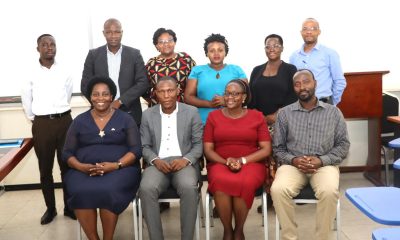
(117, 53)
(175, 112)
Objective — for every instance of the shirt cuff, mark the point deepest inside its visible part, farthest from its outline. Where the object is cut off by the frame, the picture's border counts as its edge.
(190, 162)
(152, 160)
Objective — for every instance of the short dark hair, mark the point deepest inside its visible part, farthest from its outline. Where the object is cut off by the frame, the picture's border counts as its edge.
(42, 36)
(101, 79)
(245, 88)
(299, 72)
(216, 38)
(280, 40)
(166, 78)
(161, 31)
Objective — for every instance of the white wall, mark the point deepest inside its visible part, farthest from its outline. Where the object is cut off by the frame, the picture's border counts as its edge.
(364, 33)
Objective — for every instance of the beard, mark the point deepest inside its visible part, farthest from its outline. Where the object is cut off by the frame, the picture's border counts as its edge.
(306, 96)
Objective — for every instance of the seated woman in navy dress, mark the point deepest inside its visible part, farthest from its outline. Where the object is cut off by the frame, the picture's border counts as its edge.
(102, 149)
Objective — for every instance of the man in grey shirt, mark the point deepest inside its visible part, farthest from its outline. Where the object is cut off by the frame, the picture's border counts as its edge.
(310, 141)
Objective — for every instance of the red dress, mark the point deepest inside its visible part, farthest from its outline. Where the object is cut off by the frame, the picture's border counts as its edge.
(236, 138)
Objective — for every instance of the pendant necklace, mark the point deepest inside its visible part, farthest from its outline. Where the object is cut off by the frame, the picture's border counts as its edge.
(101, 118)
(217, 76)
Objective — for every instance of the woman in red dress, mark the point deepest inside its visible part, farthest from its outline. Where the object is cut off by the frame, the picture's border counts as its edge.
(236, 144)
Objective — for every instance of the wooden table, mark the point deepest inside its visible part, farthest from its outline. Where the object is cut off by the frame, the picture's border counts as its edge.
(13, 156)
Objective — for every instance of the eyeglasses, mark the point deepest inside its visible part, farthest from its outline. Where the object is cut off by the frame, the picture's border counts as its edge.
(232, 94)
(165, 41)
(305, 29)
(275, 47)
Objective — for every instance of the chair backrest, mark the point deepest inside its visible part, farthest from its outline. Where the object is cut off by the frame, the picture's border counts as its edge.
(390, 107)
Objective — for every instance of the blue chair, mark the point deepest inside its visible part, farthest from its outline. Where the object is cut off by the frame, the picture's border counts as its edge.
(386, 234)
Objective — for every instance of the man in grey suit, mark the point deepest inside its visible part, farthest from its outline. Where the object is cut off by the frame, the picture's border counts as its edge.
(171, 135)
(123, 64)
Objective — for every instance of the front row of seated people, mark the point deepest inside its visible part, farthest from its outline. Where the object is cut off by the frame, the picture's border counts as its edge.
(103, 149)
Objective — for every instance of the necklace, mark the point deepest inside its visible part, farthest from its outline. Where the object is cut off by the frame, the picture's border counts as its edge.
(218, 76)
(101, 117)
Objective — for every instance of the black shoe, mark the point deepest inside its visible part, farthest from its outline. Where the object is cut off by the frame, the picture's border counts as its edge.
(164, 206)
(48, 216)
(69, 213)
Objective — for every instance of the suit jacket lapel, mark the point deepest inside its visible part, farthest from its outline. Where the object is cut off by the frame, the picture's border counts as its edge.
(103, 60)
(181, 125)
(156, 119)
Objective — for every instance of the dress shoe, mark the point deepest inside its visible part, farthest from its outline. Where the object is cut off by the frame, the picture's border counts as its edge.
(48, 216)
(69, 213)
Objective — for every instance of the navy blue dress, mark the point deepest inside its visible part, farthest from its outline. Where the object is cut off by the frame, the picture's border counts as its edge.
(115, 190)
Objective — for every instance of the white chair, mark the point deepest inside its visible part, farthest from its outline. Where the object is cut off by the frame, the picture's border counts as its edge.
(168, 196)
(307, 195)
(135, 220)
(210, 219)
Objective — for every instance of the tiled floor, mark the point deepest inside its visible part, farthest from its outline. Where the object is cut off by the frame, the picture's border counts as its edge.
(20, 213)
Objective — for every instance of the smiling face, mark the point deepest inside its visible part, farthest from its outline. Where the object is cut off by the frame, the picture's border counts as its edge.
(166, 45)
(101, 97)
(47, 48)
(273, 49)
(234, 96)
(216, 53)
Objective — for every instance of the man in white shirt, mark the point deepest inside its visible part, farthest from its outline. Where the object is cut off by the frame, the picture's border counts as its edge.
(46, 98)
(171, 135)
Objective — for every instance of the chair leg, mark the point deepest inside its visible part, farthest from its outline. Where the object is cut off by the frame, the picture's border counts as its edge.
(79, 230)
(140, 219)
(135, 219)
(208, 200)
(265, 214)
(277, 227)
(338, 229)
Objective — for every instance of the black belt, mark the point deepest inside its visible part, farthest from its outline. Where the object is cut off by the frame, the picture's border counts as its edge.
(55, 115)
(325, 99)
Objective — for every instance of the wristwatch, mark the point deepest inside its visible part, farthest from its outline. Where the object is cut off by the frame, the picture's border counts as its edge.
(119, 165)
(244, 160)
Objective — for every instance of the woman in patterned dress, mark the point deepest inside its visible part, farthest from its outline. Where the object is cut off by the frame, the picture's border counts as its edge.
(168, 63)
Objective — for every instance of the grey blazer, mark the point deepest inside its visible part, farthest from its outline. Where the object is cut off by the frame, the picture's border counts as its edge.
(132, 80)
(189, 127)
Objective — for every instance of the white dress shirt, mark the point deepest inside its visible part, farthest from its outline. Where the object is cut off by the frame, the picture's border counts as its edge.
(47, 91)
(169, 145)
(114, 64)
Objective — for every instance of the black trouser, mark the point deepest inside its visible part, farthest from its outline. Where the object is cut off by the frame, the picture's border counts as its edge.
(48, 138)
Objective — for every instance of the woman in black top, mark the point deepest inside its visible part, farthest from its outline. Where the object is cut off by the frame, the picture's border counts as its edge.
(271, 87)
(271, 83)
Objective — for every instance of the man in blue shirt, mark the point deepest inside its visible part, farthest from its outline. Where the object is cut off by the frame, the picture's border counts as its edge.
(322, 61)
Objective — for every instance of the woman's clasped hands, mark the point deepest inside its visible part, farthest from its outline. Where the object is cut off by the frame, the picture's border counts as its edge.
(99, 169)
(234, 164)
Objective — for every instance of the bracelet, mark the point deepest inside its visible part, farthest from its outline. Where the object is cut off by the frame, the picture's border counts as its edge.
(244, 160)
(119, 165)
